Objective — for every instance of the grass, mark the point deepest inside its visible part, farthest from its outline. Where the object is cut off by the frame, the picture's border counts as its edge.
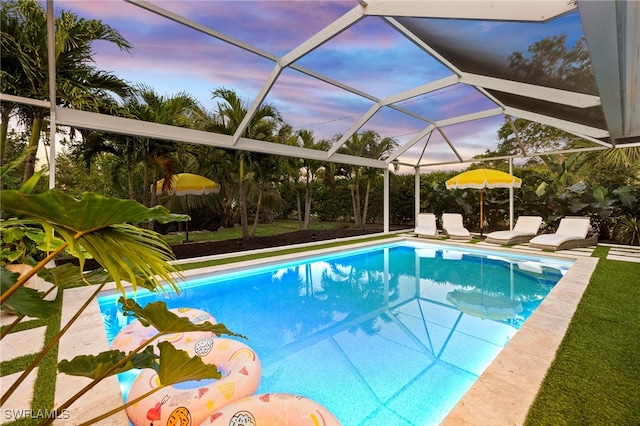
(43, 396)
(593, 379)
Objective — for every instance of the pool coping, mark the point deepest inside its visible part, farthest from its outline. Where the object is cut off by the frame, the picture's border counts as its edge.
(502, 394)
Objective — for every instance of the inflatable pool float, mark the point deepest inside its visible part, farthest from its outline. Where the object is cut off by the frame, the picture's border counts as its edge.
(135, 334)
(192, 402)
(273, 409)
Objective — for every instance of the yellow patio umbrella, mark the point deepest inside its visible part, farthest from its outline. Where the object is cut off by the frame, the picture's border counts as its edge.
(188, 184)
(481, 179)
(485, 306)
(184, 184)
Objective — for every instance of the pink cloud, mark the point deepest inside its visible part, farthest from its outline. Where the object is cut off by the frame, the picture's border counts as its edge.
(108, 11)
(174, 58)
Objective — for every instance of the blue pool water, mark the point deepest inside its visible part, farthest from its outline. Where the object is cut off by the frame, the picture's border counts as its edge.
(393, 334)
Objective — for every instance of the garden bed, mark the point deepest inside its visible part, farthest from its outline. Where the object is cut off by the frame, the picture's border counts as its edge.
(208, 248)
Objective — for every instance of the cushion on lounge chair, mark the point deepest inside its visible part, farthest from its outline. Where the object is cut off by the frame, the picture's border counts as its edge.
(526, 227)
(572, 232)
(452, 225)
(575, 226)
(426, 225)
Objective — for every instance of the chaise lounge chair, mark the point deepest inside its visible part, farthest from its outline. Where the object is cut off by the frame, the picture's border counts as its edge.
(572, 232)
(453, 227)
(426, 225)
(525, 229)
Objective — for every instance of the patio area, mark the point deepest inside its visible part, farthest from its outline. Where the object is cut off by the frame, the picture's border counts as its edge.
(520, 366)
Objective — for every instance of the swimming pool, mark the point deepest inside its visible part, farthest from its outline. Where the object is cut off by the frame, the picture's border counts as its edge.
(392, 334)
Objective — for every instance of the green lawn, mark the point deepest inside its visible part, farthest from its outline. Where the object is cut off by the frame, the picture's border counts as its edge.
(594, 379)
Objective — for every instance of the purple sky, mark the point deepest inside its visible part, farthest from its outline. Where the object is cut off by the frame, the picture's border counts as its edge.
(370, 56)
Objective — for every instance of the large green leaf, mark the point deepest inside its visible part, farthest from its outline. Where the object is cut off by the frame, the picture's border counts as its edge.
(89, 213)
(30, 185)
(577, 206)
(99, 227)
(177, 366)
(45, 241)
(157, 315)
(16, 248)
(600, 194)
(104, 364)
(625, 194)
(577, 187)
(541, 189)
(24, 301)
(11, 234)
(134, 255)
(69, 274)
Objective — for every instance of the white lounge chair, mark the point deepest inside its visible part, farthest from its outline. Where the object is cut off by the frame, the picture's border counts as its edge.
(426, 225)
(426, 253)
(571, 233)
(452, 255)
(526, 227)
(453, 227)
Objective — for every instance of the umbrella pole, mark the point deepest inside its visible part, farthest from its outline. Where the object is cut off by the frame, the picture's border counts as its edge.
(481, 214)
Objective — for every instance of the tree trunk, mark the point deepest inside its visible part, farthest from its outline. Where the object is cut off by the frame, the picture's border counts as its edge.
(152, 198)
(255, 221)
(356, 200)
(356, 210)
(299, 206)
(34, 140)
(227, 214)
(145, 185)
(242, 199)
(307, 205)
(366, 204)
(4, 129)
(130, 183)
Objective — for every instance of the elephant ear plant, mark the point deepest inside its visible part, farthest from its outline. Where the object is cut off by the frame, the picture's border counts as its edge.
(103, 229)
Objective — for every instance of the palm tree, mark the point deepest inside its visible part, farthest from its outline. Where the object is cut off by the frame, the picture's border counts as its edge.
(24, 64)
(228, 116)
(180, 110)
(380, 149)
(91, 145)
(621, 157)
(311, 169)
(366, 144)
(265, 171)
(20, 71)
(11, 55)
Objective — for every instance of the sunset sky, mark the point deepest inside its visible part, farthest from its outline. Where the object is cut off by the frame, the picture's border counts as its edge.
(371, 56)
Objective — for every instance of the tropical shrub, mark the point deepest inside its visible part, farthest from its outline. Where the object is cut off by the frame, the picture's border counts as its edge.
(103, 229)
(628, 230)
(402, 199)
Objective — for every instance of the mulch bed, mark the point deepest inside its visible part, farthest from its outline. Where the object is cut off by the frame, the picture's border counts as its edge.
(187, 250)
(208, 248)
